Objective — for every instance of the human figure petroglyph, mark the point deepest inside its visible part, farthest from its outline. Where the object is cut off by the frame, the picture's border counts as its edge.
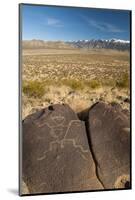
(57, 152)
(61, 145)
(59, 131)
(56, 126)
(56, 120)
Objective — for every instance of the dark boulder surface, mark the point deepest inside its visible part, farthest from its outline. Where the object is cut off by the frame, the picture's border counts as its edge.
(56, 156)
(108, 129)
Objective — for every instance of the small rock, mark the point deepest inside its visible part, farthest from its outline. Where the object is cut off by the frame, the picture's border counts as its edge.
(127, 100)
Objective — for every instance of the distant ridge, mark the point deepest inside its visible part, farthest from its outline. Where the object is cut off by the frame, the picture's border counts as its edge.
(102, 44)
(41, 44)
(116, 44)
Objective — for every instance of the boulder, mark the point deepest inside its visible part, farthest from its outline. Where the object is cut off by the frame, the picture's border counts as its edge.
(108, 129)
(56, 156)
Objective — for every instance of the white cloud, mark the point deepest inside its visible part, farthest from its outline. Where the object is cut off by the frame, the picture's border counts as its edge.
(54, 22)
(103, 26)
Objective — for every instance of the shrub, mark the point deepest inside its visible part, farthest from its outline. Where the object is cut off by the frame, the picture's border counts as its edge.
(109, 82)
(93, 84)
(123, 82)
(74, 84)
(34, 89)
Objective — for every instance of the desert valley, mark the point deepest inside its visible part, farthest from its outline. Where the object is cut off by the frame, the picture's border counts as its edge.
(79, 73)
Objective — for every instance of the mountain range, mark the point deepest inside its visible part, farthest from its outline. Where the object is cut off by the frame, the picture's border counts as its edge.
(116, 44)
(102, 44)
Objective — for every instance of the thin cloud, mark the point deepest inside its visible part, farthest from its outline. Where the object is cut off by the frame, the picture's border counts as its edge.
(103, 26)
(54, 22)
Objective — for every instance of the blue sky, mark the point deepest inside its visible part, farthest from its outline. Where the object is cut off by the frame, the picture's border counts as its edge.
(64, 23)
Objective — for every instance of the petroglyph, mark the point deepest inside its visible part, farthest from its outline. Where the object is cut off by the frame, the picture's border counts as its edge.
(62, 156)
(118, 117)
(58, 130)
(58, 120)
(110, 142)
(62, 141)
(61, 145)
(121, 117)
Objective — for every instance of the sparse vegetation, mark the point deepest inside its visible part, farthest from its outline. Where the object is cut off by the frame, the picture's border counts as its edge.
(124, 81)
(74, 77)
(93, 84)
(73, 84)
(34, 89)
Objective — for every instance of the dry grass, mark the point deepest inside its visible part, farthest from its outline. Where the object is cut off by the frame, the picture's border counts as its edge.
(78, 78)
(124, 81)
(34, 89)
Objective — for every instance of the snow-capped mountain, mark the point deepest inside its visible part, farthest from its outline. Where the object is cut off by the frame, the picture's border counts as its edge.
(102, 44)
(121, 41)
(117, 44)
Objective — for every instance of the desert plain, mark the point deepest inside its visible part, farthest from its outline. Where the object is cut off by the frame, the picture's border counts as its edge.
(77, 77)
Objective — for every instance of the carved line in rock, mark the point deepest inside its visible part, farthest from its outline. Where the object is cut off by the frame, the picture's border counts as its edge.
(62, 141)
(58, 120)
(52, 128)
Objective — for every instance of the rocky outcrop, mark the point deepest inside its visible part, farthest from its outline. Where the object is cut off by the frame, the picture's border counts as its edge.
(64, 153)
(109, 132)
(56, 154)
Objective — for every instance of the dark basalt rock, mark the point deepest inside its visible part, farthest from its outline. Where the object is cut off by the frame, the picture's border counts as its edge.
(119, 108)
(109, 132)
(56, 155)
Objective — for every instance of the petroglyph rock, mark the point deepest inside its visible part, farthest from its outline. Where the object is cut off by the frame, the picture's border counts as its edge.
(56, 155)
(118, 107)
(109, 132)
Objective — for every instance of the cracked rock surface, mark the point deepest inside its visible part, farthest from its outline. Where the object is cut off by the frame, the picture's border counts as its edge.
(64, 153)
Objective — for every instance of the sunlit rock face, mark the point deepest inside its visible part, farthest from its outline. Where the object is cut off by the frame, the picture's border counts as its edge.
(56, 153)
(109, 132)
